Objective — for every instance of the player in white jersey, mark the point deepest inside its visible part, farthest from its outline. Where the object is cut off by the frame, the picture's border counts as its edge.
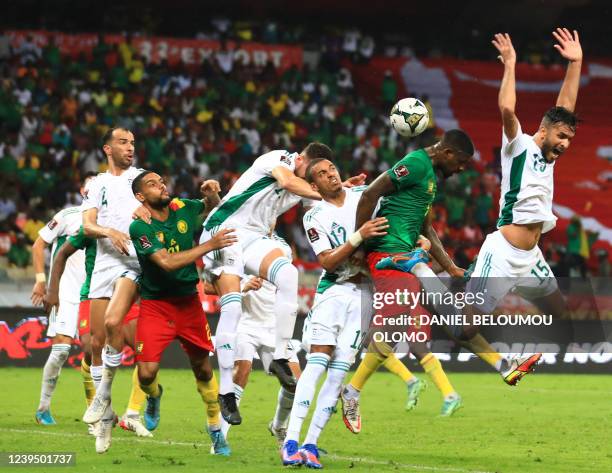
(62, 322)
(272, 185)
(108, 210)
(510, 258)
(62, 327)
(341, 311)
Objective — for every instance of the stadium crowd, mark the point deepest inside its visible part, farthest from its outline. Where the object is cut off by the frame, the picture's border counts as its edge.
(205, 122)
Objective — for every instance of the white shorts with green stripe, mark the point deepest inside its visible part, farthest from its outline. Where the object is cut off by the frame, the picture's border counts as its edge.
(244, 257)
(64, 320)
(337, 319)
(501, 268)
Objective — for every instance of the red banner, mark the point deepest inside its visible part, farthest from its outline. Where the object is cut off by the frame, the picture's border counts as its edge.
(174, 50)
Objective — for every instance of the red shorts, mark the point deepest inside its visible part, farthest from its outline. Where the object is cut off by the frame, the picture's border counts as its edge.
(162, 321)
(84, 317)
(84, 307)
(389, 281)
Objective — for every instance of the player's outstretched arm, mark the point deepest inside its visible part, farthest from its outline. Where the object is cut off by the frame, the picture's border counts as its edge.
(438, 252)
(507, 90)
(173, 261)
(569, 47)
(291, 183)
(59, 264)
(331, 259)
(38, 260)
(382, 185)
(91, 229)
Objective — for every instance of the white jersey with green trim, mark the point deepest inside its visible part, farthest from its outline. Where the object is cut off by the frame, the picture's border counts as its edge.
(328, 227)
(527, 183)
(256, 200)
(64, 224)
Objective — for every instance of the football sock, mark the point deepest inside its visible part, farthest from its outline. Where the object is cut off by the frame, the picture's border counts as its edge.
(96, 375)
(433, 368)
(137, 395)
(327, 399)
(151, 389)
(209, 390)
(283, 408)
(51, 371)
(88, 383)
(485, 351)
(111, 359)
(370, 363)
(285, 277)
(231, 310)
(393, 364)
(304, 393)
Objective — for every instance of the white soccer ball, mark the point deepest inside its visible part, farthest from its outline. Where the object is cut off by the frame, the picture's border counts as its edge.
(409, 117)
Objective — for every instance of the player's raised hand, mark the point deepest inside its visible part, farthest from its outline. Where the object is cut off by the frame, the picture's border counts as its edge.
(210, 187)
(374, 228)
(253, 284)
(569, 45)
(503, 43)
(120, 241)
(223, 238)
(143, 214)
(354, 181)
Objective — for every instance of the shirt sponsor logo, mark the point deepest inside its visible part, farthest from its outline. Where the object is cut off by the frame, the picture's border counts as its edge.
(401, 171)
(182, 226)
(52, 224)
(144, 242)
(313, 235)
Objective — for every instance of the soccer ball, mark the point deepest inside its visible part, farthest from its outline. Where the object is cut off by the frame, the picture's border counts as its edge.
(409, 117)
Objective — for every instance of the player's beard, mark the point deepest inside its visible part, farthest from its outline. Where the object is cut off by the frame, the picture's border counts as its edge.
(162, 203)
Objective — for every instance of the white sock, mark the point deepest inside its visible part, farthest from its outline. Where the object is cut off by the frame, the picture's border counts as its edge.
(231, 310)
(283, 408)
(132, 413)
(285, 277)
(51, 371)
(304, 393)
(96, 375)
(238, 390)
(350, 392)
(327, 400)
(111, 359)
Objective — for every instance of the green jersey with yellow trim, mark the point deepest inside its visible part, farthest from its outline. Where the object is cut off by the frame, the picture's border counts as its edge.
(174, 234)
(415, 185)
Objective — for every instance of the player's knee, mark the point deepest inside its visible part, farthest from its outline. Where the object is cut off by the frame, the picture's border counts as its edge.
(146, 375)
(112, 324)
(97, 343)
(203, 372)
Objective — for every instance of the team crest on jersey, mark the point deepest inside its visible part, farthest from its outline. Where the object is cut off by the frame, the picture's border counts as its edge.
(160, 236)
(139, 347)
(285, 158)
(401, 171)
(313, 235)
(182, 226)
(52, 224)
(83, 323)
(144, 242)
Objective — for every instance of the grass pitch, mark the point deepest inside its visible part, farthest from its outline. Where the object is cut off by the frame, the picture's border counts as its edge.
(549, 423)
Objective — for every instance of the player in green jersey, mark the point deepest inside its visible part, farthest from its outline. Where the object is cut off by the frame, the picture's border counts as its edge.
(170, 307)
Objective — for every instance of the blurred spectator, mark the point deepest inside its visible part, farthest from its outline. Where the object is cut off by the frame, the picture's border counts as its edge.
(389, 91)
(28, 51)
(19, 255)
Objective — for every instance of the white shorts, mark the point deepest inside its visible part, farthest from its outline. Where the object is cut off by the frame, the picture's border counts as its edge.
(103, 280)
(502, 268)
(337, 318)
(261, 341)
(64, 320)
(242, 258)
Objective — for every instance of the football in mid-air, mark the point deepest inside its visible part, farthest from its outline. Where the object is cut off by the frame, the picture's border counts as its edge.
(409, 117)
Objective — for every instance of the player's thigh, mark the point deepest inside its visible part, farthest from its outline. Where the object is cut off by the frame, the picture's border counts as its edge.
(260, 253)
(97, 309)
(192, 327)
(123, 297)
(226, 283)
